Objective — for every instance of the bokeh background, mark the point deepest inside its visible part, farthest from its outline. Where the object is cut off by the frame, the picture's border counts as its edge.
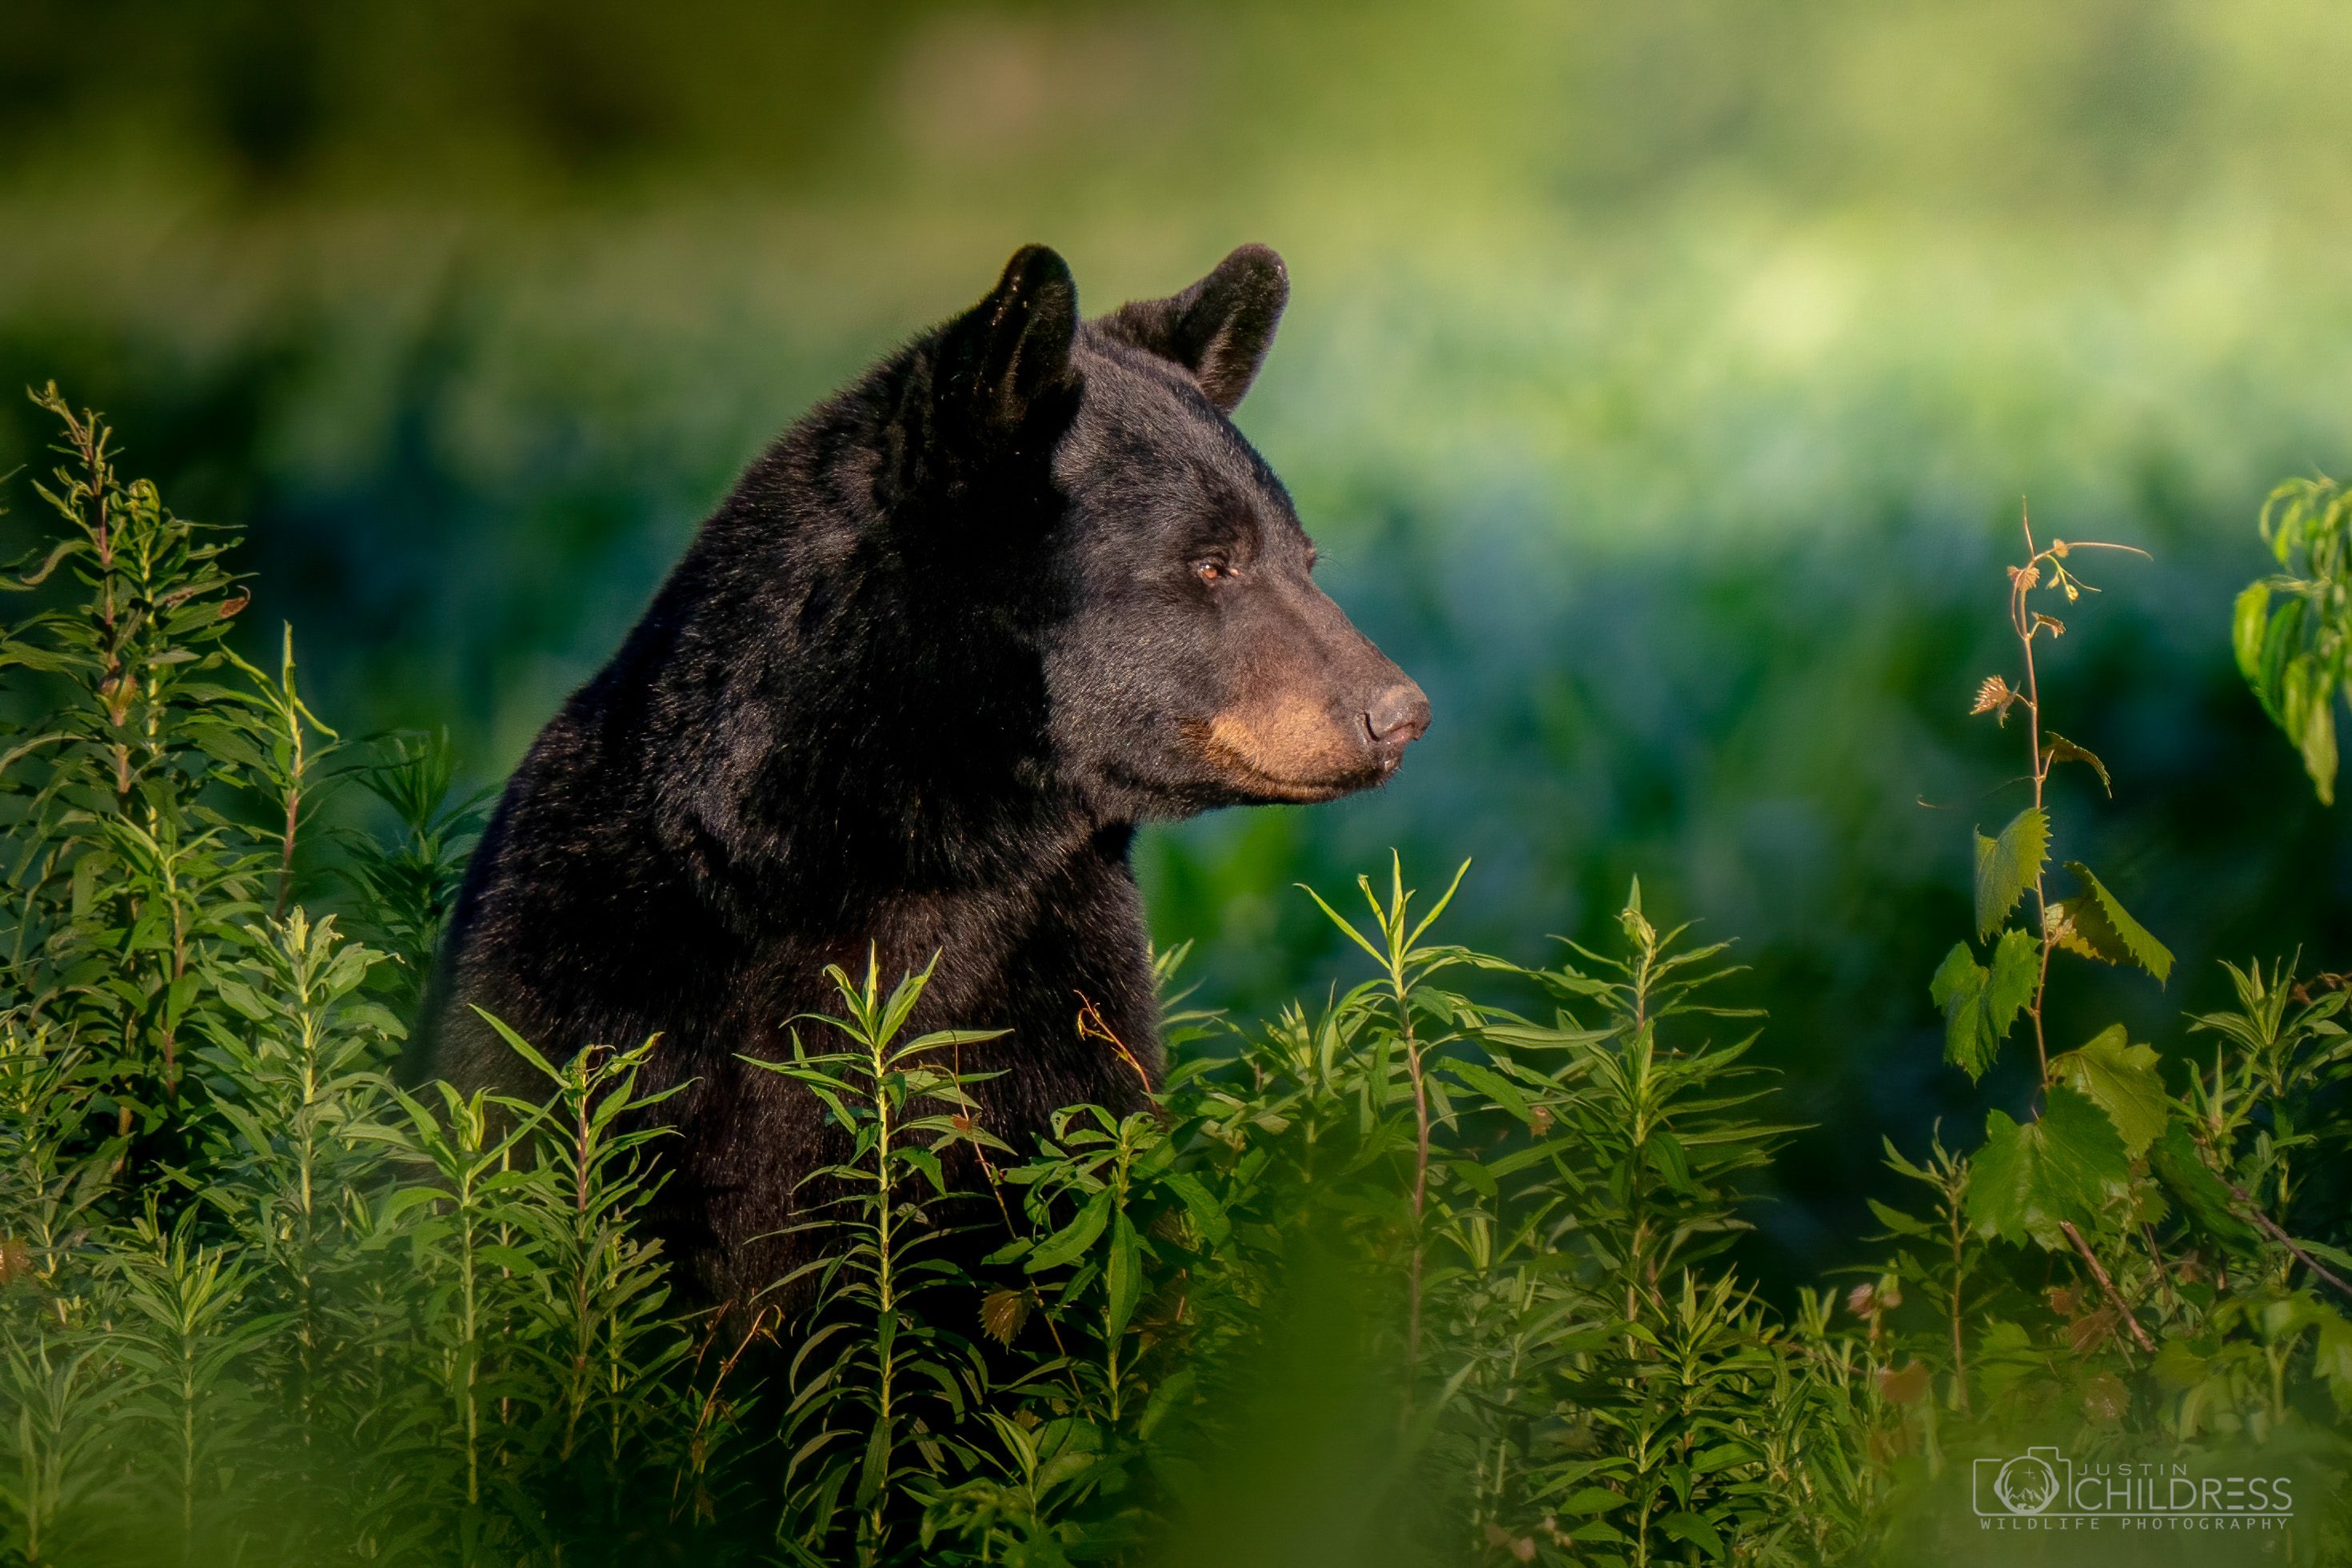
(1661, 382)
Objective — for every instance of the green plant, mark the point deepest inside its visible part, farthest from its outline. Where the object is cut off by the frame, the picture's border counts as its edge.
(878, 1387)
(2297, 656)
(1436, 1271)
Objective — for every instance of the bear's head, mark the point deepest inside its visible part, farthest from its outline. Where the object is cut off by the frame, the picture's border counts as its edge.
(1190, 661)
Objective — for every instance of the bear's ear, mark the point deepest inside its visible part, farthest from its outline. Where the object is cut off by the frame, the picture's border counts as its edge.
(997, 359)
(1219, 328)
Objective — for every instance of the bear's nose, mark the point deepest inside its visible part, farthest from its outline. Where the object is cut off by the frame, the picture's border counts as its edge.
(1398, 716)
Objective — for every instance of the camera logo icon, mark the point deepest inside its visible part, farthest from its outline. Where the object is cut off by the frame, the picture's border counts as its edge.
(2027, 1484)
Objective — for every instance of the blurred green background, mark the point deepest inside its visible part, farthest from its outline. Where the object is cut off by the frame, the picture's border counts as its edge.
(1662, 382)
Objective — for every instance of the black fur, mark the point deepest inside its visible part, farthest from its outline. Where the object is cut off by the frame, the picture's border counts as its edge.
(913, 685)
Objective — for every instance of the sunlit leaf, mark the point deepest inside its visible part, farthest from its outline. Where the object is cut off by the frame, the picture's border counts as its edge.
(1002, 1314)
(1068, 1244)
(1980, 1005)
(2121, 1079)
(2097, 925)
(1896, 1220)
(2027, 1179)
(2008, 865)
(2248, 622)
(2056, 748)
(1122, 1277)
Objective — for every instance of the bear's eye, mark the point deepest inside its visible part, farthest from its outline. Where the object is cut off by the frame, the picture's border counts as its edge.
(1212, 568)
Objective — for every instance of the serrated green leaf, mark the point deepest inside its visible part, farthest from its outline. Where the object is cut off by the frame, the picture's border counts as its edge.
(2177, 1366)
(2097, 926)
(2027, 1180)
(2121, 1079)
(2057, 749)
(2008, 865)
(1957, 988)
(2016, 969)
(1980, 1005)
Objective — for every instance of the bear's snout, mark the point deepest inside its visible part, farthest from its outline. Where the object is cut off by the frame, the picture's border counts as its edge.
(1302, 746)
(1396, 718)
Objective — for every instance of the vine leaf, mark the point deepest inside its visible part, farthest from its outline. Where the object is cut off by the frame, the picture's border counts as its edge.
(2121, 1079)
(2056, 748)
(2008, 865)
(2028, 1180)
(1002, 1314)
(1979, 1004)
(2096, 926)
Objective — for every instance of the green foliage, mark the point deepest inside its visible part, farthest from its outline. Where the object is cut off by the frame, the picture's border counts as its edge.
(2121, 1080)
(2055, 1170)
(2297, 656)
(2096, 927)
(1436, 1271)
(879, 1385)
(1980, 1005)
(2008, 865)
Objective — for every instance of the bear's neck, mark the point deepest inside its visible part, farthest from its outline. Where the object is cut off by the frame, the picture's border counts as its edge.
(843, 684)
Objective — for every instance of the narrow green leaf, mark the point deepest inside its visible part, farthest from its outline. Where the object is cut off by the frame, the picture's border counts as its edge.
(1174, 1390)
(876, 1470)
(2204, 1197)
(2280, 640)
(2315, 733)
(1068, 1244)
(2008, 865)
(1694, 1530)
(1501, 1091)
(1207, 1213)
(2121, 1079)
(1896, 1220)
(519, 1045)
(1122, 1278)
(2247, 623)
(1668, 1159)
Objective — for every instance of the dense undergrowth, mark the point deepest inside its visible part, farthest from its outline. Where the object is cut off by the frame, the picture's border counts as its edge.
(1432, 1270)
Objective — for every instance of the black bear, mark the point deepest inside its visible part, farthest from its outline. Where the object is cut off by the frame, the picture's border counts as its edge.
(949, 639)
